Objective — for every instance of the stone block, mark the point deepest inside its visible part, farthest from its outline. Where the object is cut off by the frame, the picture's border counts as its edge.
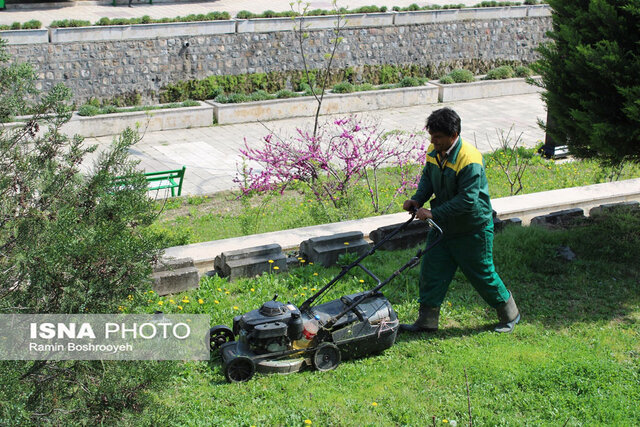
(500, 224)
(250, 262)
(172, 276)
(558, 219)
(325, 250)
(599, 210)
(414, 235)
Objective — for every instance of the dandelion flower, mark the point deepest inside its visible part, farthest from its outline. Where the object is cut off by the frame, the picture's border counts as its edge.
(303, 261)
(315, 274)
(307, 422)
(445, 421)
(235, 307)
(270, 261)
(216, 302)
(179, 307)
(185, 300)
(253, 290)
(276, 268)
(304, 288)
(172, 301)
(310, 263)
(130, 297)
(226, 292)
(160, 302)
(374, 403)
(200, 301)
(219, 290)
(361, 281)
(312, 289)
(346, 243)
(449, 303)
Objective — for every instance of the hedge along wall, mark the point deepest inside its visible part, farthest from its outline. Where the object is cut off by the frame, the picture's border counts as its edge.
(104, 69)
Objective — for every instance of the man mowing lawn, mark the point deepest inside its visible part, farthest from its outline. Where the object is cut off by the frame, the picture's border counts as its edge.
(455, 174)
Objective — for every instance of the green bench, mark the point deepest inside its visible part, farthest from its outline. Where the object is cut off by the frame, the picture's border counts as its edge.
(166, 179)
(171, 179)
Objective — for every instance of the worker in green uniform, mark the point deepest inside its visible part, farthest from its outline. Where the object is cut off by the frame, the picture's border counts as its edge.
(454, 174)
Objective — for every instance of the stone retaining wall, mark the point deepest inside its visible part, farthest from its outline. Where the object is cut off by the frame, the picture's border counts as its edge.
(476, 39)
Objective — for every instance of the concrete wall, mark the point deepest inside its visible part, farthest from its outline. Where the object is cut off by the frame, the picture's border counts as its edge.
(110, 61)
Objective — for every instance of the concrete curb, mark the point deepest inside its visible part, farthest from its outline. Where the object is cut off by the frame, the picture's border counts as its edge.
(524, 207)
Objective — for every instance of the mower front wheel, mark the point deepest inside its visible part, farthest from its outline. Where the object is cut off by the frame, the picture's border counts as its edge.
(239, 369)
(326, 357)
(219, 335)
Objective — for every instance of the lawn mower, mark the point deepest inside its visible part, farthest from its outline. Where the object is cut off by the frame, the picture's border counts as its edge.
(283, 338)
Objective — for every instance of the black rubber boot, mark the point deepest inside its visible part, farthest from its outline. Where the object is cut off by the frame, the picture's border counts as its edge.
(508, 316)
(427, 320)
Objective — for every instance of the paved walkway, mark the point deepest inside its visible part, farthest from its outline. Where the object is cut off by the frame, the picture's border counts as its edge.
(212, 153)
(94, 10)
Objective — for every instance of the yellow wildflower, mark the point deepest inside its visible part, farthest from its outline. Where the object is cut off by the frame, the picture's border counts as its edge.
(160, 303)
(235, 307)
(216, 302)
(270, 261)
(200, 301)
(276, 268)
(307, 422)
(179, 307)
(374, 403)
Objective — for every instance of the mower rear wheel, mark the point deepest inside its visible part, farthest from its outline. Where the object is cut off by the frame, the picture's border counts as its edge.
(326, 357)
(219, 335)
(239, 369)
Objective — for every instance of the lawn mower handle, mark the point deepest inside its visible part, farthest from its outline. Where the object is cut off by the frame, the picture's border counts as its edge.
(307, 304)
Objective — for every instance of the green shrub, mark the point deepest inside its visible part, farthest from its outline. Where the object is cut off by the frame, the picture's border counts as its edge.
(411, 82)
(70, 23)
(190, 103)
(364, 87)
(109, 109)
(286, 93)
(447, 80)
(235, 98)
(344, 87)
(34, 24)
(16, 26)
(522, 71)
(88, 110)
(500, 73)
(462, 76)
(244, 14)
(260, 95)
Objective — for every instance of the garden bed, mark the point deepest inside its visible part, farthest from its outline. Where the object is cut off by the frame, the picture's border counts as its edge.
(484, 89)
(154, 120)
(332, 104)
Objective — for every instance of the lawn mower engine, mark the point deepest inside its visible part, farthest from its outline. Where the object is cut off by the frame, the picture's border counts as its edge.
(280, 338)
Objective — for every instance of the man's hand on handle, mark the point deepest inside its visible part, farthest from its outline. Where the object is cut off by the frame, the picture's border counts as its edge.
(422, 213)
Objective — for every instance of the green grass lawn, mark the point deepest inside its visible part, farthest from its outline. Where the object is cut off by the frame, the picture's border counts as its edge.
(219, 216)
(573, 360)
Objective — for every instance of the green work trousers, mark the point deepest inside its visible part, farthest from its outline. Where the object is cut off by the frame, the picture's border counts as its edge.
(473, 253)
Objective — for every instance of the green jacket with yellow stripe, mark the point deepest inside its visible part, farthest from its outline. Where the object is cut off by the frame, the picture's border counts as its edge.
(462, 204)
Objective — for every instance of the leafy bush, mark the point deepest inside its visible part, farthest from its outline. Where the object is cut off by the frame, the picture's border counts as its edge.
(500, 73)
(286, 93)
(260, 95)
(344, 87)
(447, 80)
(411, 82)
(34, 24)
(88, 110)
(461, 76)
(69, 23)
(523, 71)
(364, 87)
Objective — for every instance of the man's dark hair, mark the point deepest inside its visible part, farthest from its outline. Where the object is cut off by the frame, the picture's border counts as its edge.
(444, 120)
